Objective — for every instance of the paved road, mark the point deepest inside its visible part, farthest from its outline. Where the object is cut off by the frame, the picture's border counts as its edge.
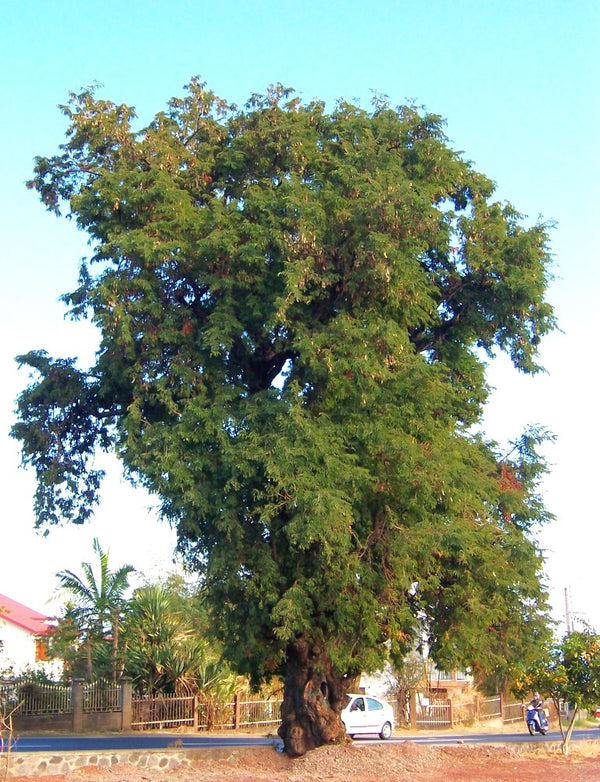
(133, 741)
(149, 741)
(519, 737)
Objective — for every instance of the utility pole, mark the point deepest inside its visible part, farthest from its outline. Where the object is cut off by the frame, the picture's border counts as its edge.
(567, 612)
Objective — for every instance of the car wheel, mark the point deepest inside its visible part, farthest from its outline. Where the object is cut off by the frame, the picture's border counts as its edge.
(386, 731)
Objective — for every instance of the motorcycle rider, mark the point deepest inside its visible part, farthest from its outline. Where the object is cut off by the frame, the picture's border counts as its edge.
(537, 704)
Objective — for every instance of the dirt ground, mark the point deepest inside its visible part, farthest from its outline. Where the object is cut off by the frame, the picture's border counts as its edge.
(365, 763)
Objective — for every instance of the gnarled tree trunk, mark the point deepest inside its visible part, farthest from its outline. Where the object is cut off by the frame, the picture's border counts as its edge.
(313, 698)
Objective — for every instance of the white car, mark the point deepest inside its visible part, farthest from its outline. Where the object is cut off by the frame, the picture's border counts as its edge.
(365, 714)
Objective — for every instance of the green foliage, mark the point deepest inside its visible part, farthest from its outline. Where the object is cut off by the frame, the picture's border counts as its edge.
(162, 638)
(405, 680)
(295, 308)
(89, 628)
(167, 650)
(27, 674)
(569, 671)
(60, 431)
(68, 644)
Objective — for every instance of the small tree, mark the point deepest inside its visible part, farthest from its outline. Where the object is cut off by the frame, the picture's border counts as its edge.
(405, 680)
(6, 732)
(95, 611)
(570, 672)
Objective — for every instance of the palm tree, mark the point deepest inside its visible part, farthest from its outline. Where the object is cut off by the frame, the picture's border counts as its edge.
(167, 650)
(97, 603)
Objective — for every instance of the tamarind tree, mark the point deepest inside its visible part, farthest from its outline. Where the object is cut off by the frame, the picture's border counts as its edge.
(295, 309)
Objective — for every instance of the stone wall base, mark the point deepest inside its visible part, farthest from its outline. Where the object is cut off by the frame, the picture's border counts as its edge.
(21, 764)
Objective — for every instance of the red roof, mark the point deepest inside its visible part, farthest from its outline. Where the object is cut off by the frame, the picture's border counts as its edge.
(20, 615)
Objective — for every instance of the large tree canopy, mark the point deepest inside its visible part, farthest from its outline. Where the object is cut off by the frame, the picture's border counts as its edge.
(295, 309)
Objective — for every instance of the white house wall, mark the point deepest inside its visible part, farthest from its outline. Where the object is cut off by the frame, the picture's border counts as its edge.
(17, 653)
(18, 647)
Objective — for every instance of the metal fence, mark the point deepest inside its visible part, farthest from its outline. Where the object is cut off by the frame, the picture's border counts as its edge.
(101, 697)
(238, 714)
(512, 712)
(8, 696)
(35, 698)
(490, 708)
(38, 701)
(165, 711)
(212, 714)
(435, 714)
(464, 713)
(170, 711)
(259, 713)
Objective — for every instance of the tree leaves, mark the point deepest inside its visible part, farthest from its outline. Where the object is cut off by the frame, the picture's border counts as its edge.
(62, 424)
(293, 307)
(568, 671)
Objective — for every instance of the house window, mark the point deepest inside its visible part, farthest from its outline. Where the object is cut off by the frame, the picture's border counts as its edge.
(41, 650)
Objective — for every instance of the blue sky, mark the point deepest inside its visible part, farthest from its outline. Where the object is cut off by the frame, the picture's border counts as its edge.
(518, 85)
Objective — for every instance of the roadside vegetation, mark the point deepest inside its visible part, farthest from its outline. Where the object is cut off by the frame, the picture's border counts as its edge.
(158, 634)
(568, 671)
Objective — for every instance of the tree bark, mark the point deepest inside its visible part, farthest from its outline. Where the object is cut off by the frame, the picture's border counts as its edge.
(313, 698)
(88, 649)
(567, 736)
(115, 646)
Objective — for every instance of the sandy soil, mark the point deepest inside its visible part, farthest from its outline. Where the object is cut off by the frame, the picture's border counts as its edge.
(365, 763)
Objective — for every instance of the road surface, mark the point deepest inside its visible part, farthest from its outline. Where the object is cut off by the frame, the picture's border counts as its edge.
(153, 741)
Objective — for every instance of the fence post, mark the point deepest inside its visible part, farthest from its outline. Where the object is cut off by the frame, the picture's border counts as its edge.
(502, 706)
(236, 711)
(450, 713)
(126, 702)
(195, 707)
(77, 705)
(412, 709)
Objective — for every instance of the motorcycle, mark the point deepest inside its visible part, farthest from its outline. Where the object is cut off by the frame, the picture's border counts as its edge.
(537, 721)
